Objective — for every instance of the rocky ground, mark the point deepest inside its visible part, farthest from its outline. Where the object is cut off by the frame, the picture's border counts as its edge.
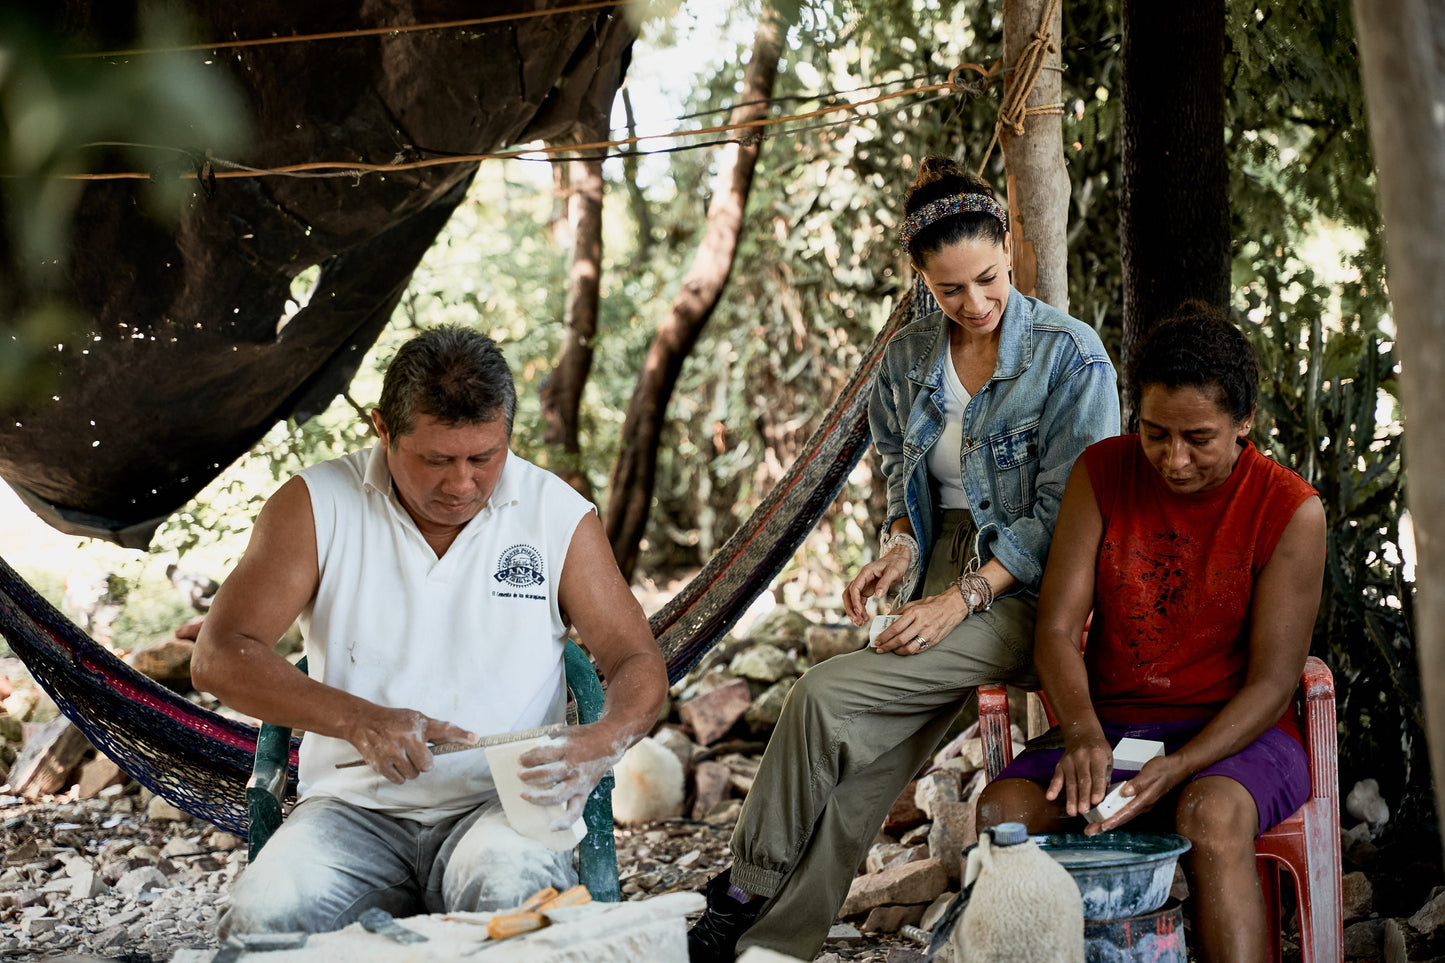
(102, 871)
(120, 878)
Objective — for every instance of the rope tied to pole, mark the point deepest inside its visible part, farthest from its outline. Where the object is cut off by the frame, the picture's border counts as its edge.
(1014, 110)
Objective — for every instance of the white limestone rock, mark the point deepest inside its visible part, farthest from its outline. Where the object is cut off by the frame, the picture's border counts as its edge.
(650, 784)
(1366, 804)
(762, 663)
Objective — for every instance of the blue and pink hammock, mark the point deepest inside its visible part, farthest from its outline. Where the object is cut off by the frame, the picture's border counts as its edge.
(200, 761)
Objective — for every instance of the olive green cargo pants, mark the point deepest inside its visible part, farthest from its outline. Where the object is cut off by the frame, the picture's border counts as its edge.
(854, 730)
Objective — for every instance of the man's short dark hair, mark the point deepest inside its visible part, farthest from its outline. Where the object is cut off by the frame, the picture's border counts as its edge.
(453, 374)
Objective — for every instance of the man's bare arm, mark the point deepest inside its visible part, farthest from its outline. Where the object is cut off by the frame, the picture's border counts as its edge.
(235, 659)
(596, 598)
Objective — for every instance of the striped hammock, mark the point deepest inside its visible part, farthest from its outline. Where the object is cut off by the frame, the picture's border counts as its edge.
(200, 761)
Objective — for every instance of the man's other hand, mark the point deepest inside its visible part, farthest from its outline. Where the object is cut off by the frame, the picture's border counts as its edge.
(563, 770)
(393, 742)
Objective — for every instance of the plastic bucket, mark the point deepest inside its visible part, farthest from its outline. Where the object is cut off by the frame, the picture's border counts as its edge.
(1156, 937)
(1119, 875)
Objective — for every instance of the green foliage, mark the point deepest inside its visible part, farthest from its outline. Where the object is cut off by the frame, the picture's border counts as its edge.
(153, 609)
(1309, 269)
(818, 271)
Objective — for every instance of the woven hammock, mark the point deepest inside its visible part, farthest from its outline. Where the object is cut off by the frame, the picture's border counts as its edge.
(199, 761)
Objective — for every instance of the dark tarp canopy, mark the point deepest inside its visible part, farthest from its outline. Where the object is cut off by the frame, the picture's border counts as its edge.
(188, 364)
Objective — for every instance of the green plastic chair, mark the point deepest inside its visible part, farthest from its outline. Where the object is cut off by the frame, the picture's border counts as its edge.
(268, 788)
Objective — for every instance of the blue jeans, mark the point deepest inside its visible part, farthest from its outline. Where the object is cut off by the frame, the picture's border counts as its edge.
(330, 862)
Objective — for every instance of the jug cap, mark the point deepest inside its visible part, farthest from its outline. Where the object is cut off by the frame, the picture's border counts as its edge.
(1010, 834)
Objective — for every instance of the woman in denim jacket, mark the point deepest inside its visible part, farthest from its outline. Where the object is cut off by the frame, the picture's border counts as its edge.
(978, 414)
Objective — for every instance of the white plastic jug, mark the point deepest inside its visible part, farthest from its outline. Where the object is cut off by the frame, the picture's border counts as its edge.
(1025, 907)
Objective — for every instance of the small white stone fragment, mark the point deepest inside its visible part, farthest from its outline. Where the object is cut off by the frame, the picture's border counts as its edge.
(1365, 803)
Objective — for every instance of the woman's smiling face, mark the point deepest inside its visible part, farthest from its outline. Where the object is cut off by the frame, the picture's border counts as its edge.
(969, 280)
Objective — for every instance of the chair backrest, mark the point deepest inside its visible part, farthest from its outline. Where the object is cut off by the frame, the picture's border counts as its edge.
(1317, 688)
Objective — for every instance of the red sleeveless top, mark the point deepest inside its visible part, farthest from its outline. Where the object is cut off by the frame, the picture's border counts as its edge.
(1174, 580)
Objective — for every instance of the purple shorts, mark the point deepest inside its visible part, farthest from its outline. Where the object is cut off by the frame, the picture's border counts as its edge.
(1274, 768)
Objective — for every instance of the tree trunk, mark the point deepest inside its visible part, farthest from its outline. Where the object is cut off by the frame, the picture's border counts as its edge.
(640, 211)
(633, 477)
(1038, 184)
(1402, 58)
(562, 392)
(1174, 200)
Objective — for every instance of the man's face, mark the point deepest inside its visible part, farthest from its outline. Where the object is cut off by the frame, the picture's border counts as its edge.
(444, 474)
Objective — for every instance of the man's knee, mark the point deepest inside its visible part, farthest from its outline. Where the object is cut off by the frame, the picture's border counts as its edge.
(265, 903)
(496, 868)
(319, 872)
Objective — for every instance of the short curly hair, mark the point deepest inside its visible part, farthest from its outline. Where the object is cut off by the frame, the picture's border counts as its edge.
(940, 177)
(1197, 346)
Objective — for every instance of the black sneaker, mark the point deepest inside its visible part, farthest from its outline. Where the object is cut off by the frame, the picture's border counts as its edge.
(714, 937)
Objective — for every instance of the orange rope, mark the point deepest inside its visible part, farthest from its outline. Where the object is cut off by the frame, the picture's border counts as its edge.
(353, 167)
(1012, 112)
(348, 34)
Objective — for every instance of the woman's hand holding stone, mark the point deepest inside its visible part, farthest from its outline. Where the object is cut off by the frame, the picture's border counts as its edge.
(921, 625)
(1082, 775)
(876, 580)
(1159, 777)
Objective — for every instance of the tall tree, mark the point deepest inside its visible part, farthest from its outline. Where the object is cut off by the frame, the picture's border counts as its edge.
(1174, 186)
(1402, 56)
(1032, 139)
(634, 475)
(561, 394)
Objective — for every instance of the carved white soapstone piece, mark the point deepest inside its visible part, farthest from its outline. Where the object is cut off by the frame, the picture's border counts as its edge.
(880, 622)
(1129, 756)
(528, 818)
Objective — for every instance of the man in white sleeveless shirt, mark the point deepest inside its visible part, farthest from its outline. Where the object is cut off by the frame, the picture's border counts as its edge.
(435, 576)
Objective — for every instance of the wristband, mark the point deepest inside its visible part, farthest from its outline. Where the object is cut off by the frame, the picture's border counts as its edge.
(976, 590)
(892, 540)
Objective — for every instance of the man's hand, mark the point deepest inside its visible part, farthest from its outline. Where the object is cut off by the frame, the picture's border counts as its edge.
(393, 742)
(564, 769)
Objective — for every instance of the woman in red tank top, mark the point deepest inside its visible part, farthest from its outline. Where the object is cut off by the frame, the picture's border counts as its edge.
(1202, 563)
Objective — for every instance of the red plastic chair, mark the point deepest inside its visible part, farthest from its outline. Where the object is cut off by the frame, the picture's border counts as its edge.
(1307, 843)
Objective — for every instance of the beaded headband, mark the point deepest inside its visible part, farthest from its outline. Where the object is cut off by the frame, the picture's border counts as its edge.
(937, 210)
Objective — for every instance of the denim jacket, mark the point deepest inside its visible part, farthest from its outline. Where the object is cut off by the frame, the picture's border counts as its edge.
(1052, 395)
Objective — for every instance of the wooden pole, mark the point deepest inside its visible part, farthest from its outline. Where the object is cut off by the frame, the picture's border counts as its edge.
(1402, 60)
(1038, 184)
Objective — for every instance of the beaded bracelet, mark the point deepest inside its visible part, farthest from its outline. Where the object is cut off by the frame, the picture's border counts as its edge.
(971, 584)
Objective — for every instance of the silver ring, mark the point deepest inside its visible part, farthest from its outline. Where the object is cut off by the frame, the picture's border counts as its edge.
(922, 642)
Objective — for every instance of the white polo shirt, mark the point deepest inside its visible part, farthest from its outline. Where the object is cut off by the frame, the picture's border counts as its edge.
(474, 637)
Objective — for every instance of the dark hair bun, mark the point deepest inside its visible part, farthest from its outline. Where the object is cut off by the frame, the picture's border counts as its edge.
(940, 177)
(951, 176)
(1196, 345)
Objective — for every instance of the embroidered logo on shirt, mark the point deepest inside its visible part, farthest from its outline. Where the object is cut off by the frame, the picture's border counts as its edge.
(520, 566)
